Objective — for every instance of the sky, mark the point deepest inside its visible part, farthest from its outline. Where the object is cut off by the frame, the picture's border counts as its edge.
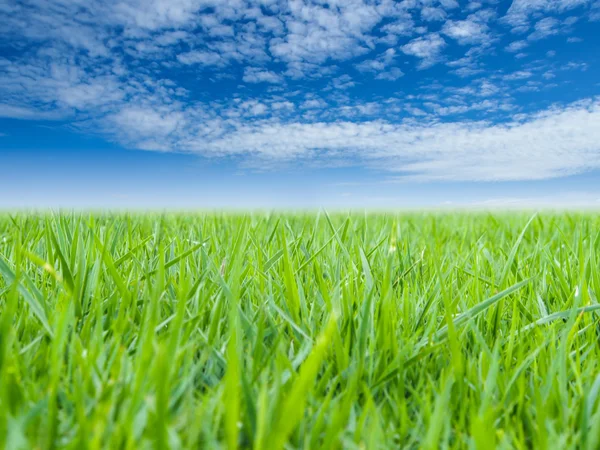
(299, 103)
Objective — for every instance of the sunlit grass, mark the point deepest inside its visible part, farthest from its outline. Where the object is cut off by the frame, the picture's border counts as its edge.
(299, 331)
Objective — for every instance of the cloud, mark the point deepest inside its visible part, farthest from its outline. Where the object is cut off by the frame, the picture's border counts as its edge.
(520, 11)
(370, 65)
(391, 75)
(465, 67)
(427, 48)
(554, 143)
(545, 27)
(205, 58)
(316, 33)
(313, 103)
(401, 27)
(308, 36)
(560, 141)
(518, 75)
(433, 14)
(487, 88)
(595, 12)
(257, 75)
(485, 105)
(343, 82)
(144, 124)
(21, 112)
(516, 46)
(466, 31)
(381, 66)
(283, 105)
(157, 14)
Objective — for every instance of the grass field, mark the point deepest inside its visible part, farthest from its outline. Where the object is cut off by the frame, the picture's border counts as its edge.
(299, 331)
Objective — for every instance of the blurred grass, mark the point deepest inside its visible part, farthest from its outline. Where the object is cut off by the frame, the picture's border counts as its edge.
(307, 331)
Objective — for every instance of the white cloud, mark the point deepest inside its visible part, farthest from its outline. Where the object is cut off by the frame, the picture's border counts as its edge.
(343, 82)
(449, 4)
(52, 88)
(391, 75)
(518, 75)
(21, 112)
(401, 27)
(487, 89)
(545, 27)
(516, 46)
(205, 58)
(521, 11)
(143, 124)
(554, 143)
(428, 48)
(313, 103)
(571, 20)
(381, 66)
(157, 14)
(90, 93)
(485, 105)
(466, 31)
(279, 106)
(254, 108)
(595, 12)
(433, 14)
(316, 33)
(270, 24)
(466, 67)
(257, 75)
(370, 65)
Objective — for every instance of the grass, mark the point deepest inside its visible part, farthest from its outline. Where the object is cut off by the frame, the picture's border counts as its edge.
(272, 331)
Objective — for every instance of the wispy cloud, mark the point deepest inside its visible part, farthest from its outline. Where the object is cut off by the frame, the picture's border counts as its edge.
(20, 112)
(381, 66)
(545, 27)
(516, 46)
(428, 48)
(556, 142)
(520, 13)
(257, 75)
(467, 31)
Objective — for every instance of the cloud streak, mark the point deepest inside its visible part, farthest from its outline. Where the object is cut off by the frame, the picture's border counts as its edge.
(553, 143)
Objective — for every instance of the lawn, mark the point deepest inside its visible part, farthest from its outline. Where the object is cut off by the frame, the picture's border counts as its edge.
(268, 331)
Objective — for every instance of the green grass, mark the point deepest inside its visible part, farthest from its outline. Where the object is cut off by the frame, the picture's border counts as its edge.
(299, 331)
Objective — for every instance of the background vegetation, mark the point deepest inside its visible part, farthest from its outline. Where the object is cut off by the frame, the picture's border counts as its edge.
(300, 331)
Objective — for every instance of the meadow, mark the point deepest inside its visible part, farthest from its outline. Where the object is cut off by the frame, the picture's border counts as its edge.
(314, 330)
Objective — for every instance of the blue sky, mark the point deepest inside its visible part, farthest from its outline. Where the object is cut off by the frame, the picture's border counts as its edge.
(299, 103)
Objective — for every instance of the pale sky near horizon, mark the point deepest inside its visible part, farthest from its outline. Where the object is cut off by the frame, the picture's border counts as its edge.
(299, 103)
